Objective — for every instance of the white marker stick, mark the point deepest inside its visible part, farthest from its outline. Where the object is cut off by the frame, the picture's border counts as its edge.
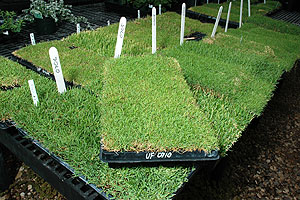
(139, 14)
(218, 1)
(206, 1)
(153, 30)
(249, 11)
(108, 23)
(32, 39)
(78, 28)
(159, 9)
(120, 37)
(195, 3)
(217, 22)
(183, 10)
(241, 14)
(228, 16)
(59, 78)
(264, 1)
(33, 92)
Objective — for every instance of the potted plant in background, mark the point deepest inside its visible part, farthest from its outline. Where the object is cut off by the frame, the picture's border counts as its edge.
(10, 24)
(48, 15)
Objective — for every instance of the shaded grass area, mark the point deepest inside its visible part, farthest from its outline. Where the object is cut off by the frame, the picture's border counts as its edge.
(232, 77)
(260, 9)
(147, 105)
(72, 120)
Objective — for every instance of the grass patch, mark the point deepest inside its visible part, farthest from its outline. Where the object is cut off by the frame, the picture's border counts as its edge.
(147, 106)
(11, 75)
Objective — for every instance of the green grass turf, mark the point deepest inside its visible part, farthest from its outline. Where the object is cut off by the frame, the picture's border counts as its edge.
(69, 126)
(232, 77)
(10, 77)
(236, 85)
(260, 9)
(147, 105)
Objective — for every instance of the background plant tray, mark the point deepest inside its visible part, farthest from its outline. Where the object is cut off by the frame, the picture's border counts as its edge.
(210, 19)
(158, 157)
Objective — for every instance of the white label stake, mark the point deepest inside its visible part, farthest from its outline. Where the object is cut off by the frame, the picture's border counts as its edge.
(153, 30)
(217, 22)
(120, 37)
(241, 14)
(207, 2)
(182, 23)
(78, 28)
(54, 58)
(249, 11)
(108, 23)
(139, 14)
(195, 3)
(228, 16)
(264, 1)
(159, 9)
(218, 1)
(33, 92)
(32, 39)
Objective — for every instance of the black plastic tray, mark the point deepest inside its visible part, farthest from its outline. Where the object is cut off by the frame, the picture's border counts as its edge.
(194, 157)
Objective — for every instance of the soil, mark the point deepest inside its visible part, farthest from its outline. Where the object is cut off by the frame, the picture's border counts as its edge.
(263, 164)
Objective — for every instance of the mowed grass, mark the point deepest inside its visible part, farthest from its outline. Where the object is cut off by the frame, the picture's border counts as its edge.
(69, 126)
(11, 77)
(147, 106)
(230, 86)
(260, 9)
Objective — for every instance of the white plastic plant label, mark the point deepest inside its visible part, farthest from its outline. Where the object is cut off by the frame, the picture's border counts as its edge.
(54, 58)
(120, 37)
(33, 92)
(139, 14)
(249, 8)
(153, 30)
(241, 14)
(108, 23)
(264, 1)
(32, 39)
(217, 22)
(183, 10)
(159, 9)
(228, 16)
(78, 28)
